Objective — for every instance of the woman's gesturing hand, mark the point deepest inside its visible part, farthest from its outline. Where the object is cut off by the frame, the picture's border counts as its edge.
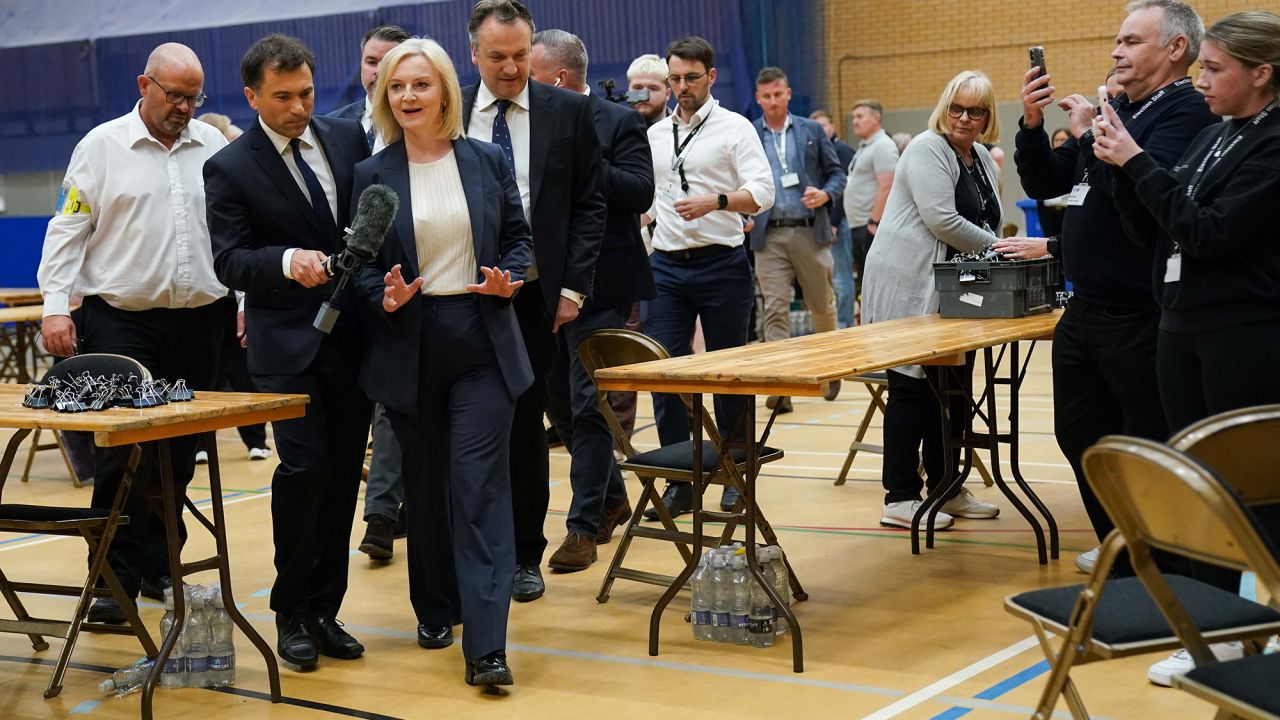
(496, 282)
(396, 293)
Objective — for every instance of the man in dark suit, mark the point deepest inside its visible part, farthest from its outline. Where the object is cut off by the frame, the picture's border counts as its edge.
(383, 490)
(548, 136)
(623, 277)
(278, 200)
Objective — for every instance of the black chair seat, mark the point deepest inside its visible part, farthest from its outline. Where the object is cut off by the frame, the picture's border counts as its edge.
(48, 513)
(680, 457)
(1249, 681)
(1127, 614)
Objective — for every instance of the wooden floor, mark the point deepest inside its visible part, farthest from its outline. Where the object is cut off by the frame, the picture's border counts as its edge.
(888, 635)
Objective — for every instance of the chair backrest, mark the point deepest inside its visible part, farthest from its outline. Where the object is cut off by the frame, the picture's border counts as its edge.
(97, 364)
(1160, 497)
(1241, 447)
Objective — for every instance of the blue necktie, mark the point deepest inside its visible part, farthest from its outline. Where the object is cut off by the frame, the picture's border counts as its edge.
(319, 201)
(502, 135)
(370, 136)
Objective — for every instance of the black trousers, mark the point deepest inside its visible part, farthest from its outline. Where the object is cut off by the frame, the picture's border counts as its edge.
(860, 244)
(530, 466)
(912, 419)
(454, 468)
(1207, 373)
(313, 491)
(1104, 383)
(235, 377)
(179, 343)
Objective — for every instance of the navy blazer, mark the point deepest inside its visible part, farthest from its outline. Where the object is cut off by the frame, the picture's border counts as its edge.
(820, 169)
(566, 188)
(256, 211)
(390, 373)
(354, 111)
(623, 274)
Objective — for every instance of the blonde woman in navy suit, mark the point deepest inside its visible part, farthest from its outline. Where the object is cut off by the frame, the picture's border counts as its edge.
(446, 358)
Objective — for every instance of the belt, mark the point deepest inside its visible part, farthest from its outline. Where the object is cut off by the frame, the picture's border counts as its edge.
(805, 222)
(699, 253)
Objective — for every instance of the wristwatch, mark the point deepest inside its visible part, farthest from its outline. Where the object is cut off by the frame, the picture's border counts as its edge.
(722, 201)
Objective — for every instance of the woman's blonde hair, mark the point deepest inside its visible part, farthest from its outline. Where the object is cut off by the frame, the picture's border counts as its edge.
(451, 95)
(977, 83)
(1251, 37)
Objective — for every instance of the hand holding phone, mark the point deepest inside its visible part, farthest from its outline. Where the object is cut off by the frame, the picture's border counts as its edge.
(1037, 59)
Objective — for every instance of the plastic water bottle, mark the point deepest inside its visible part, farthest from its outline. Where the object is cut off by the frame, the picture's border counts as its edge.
(700, 607)
(127, 679)
(222, 647)
(740, 608)
(782, 583)
(721, 597)
(760, 626)
(174, 672)
(196, 646)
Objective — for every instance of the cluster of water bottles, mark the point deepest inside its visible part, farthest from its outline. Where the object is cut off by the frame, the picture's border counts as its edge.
(729, 606)
(205, 654)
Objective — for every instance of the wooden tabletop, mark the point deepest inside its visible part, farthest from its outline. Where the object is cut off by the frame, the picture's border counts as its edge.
(20, 296)
(23, 313)
(803, 365)
(123, 426)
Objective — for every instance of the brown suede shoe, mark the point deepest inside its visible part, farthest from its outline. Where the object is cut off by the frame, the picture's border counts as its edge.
(577, 552)
(610, 519)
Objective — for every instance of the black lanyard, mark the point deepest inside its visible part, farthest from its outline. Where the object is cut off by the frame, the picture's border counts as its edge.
(1160, 95)
(1226, 142)
(677, 161)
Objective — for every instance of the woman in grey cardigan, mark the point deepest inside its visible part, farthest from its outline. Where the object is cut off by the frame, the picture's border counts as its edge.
(943, 201)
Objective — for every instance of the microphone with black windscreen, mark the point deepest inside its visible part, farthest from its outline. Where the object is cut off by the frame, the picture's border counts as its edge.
(374, 214)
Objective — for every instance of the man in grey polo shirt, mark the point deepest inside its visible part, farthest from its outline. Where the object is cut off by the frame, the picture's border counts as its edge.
(870, 178)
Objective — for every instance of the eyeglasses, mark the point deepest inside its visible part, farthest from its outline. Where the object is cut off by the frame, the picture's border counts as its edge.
(687, 79)
(176, 98)
(974, 113)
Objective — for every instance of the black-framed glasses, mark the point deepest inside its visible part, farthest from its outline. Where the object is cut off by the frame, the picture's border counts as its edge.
(687, 78)
(974, 113)
(176, 98)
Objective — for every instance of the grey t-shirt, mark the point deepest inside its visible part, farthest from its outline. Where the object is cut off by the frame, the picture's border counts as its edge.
(877, 154)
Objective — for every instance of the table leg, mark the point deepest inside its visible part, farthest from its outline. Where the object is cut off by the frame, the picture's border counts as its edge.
(175, 571)
(1016, 375)
(224, 569)
(698, 484)
(934, 500)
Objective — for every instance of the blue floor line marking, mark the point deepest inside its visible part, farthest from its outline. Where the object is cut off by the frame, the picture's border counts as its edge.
(1249, 586)
(85, 707)
(1000, 688)
(264, 592)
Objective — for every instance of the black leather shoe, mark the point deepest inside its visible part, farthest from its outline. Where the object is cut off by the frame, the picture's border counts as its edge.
(678, 498)
(433, 637)
(106, 610)
(154, 587)
(490, 670)
(379, 538)
(295, 645)
(729, 498)
(331, 640)
(527, 585)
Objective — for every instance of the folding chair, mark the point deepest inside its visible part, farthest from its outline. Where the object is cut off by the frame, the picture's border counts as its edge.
(36, 446)
(96, 526)
(876, 383)
(610, 348)
(1160, 499)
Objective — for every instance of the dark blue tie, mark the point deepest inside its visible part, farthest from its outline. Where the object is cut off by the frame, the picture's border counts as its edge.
(502, 135)
(319, 201)
(370, 136)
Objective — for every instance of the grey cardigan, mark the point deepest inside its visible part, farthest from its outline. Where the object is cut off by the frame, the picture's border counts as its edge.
(919, 223)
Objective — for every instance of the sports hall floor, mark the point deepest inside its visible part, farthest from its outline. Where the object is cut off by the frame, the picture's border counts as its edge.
(887, 634)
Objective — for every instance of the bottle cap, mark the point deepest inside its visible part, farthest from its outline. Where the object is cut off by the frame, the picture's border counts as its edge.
(107, 686)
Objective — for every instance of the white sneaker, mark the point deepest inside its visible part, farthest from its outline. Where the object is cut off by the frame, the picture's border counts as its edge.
(261, 453)
(1180, 663)
(1086, 560)
(899, 514)
(202, 457)
(966, 505)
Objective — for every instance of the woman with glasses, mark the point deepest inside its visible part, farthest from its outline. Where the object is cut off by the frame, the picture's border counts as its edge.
(943, 201)
(446, 358)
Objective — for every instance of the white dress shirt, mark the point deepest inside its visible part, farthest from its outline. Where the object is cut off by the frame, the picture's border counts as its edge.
(313, 154)
(723, 157)
(130, 224)
(480, 127)
(442, 227)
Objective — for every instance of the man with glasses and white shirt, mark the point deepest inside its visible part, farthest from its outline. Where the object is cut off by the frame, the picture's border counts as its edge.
(129, 236)
(709, 169)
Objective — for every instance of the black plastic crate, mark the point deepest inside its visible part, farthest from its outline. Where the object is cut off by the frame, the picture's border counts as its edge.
(1005, 289)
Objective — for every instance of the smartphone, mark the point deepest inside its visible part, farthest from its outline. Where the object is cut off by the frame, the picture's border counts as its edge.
(1037, 59)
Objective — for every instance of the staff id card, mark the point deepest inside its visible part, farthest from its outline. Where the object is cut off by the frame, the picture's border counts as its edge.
(790, 180)
(1173, 268)
(1076, 197)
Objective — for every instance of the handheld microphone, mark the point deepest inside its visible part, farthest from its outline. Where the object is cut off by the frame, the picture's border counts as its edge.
(374, 213)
